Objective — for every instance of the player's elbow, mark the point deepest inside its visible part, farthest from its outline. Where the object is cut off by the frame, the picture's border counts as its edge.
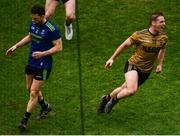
(58, 46)
(59, 49)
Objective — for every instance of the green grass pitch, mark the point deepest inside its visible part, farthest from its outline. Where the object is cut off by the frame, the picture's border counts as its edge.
(103, 25)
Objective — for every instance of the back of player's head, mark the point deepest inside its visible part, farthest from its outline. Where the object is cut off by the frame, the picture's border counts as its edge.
(154, 16)
(38, 9)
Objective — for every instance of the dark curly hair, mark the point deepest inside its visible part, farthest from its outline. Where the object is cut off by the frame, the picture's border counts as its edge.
(38, 9)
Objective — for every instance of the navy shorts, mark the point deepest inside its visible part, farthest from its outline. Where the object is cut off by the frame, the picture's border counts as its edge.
(39, 74)
(142, 77)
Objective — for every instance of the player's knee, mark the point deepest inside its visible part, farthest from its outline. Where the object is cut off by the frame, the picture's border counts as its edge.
(132, 90)
(34, 94)
(71, 16)
(48, 15)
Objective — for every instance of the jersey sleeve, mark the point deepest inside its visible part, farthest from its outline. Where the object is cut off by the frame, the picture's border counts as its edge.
(30, 27)
(134, 37)
(164, 41)
(55, 34)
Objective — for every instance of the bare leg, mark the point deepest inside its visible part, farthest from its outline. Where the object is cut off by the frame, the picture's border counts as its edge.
(33, 87)
(127, 89)
(117, 90)
(34, 95)
(29, 80)
(70, 7)
(131, 85)
(50, 8)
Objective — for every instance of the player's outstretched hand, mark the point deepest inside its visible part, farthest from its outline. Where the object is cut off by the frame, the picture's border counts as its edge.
(158, 69)
(11, 50)
(109, 63)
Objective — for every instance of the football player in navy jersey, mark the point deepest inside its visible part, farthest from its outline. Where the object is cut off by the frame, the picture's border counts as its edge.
(45, 41)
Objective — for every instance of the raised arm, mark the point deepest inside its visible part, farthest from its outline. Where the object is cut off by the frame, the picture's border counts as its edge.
(27, 39)
(127, 43)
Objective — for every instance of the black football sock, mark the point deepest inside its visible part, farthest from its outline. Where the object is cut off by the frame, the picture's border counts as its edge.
(67, 23)
(108, 97)
(26, 116)
(115, 100)
(43, 104)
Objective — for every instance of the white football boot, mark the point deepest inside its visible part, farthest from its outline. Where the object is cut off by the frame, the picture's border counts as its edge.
(68, 31)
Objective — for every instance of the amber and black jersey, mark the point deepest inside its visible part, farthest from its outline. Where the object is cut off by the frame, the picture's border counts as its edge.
(147, 49)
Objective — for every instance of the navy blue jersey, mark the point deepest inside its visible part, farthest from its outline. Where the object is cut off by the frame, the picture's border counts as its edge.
(42, 37)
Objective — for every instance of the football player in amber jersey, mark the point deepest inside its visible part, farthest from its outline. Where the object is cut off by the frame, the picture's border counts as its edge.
(150, 46)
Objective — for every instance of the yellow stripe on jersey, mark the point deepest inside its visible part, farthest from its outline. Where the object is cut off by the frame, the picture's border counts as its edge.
(147, 49)
(50, 26)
